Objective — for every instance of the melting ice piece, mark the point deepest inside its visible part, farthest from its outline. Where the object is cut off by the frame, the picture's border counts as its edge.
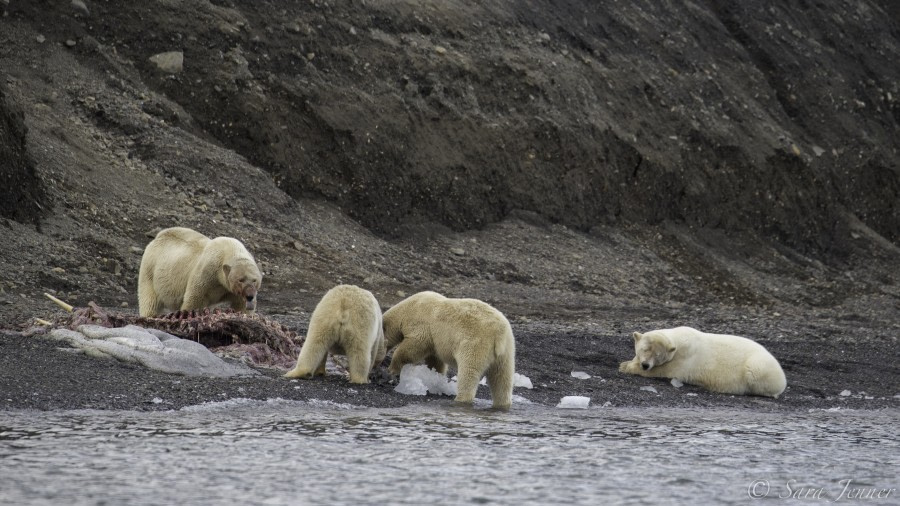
(846, 393)
(677, 383)
(574, 402)
(420, 380)
(520, 380)
(649, 389)
(580, 375)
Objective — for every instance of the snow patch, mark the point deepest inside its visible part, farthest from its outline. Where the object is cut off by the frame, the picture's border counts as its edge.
(580, 375)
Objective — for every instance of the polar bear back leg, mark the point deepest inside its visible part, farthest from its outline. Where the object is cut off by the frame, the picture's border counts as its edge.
(500, 377)
(314, 352)
(764, 376)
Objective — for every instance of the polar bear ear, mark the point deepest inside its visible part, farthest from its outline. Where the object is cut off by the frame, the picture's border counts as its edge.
(226, 268)
(672, 350)
(637, 336)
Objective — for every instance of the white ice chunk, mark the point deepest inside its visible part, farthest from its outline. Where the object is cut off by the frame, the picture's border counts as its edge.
(520, 380)
(677, 383)
(648, 388)
(846, 393)
(580, 375)
(574, 402)
(518, 399)
(420, 380)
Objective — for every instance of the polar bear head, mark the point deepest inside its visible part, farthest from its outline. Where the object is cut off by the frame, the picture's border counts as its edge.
(653, 349)
(244, 280)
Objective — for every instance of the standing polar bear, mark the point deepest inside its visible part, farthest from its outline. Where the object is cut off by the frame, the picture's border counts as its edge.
(184, 269)
(347, 321)
(467, 334)
(721, 363)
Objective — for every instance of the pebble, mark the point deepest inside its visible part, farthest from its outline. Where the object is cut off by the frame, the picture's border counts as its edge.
(440, 49)
(80, 7)
(40, 39)
(70, 43)
(458, 251)
(171, 62)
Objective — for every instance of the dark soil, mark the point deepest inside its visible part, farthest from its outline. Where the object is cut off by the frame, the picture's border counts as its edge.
(588, 171)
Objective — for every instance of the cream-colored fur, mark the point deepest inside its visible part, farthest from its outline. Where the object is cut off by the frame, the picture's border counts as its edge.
(721, 363)
(184, 269)
(347, 321)
(466, 334)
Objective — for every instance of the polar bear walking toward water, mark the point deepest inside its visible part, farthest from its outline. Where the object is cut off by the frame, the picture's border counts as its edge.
(466, 334)
(184, 269)
(718, 362)
(347, 321)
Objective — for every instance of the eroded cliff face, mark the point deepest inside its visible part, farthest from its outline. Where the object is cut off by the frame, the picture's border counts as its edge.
(22, 198)
(778, 117)
(573, 152)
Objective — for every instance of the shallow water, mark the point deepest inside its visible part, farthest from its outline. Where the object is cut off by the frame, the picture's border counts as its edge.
(288, 452)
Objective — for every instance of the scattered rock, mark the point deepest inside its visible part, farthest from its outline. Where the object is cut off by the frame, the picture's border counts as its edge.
(171, 62)
(440, 50)
(80, 8)
(458, 251)
(70, 43)
(40, 39)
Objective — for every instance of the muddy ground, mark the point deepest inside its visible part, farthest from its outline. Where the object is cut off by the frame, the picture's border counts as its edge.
(588, 171)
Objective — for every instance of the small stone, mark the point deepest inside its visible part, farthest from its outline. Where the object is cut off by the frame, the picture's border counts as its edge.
(401, 293)
(310, 56)
(70, 43)
(846, 393)
(58, 270)
(458, 251)
(80, 7)
(440, 49)
(352, 31)
(40, 39)
(136, 250)
(123, 304)
(649, 389)
(171, 62)
(298, 246)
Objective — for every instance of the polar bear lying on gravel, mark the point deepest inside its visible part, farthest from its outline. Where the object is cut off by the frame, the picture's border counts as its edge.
(718, 362)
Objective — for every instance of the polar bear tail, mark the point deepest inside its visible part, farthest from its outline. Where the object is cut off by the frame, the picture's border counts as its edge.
(500, 374)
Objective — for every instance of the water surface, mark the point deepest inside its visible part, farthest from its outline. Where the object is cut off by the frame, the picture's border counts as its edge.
(288, 452)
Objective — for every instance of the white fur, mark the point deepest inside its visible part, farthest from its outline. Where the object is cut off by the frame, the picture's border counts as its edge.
(184, 269)
(721, 363)
(466, 334)
(347, 321)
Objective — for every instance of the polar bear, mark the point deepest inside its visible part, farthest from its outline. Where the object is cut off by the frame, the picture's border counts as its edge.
(184, 269)
(466, 334)
(718, 362)
(347, 321)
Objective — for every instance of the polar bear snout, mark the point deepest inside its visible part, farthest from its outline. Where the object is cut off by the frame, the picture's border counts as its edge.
(646, 365)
